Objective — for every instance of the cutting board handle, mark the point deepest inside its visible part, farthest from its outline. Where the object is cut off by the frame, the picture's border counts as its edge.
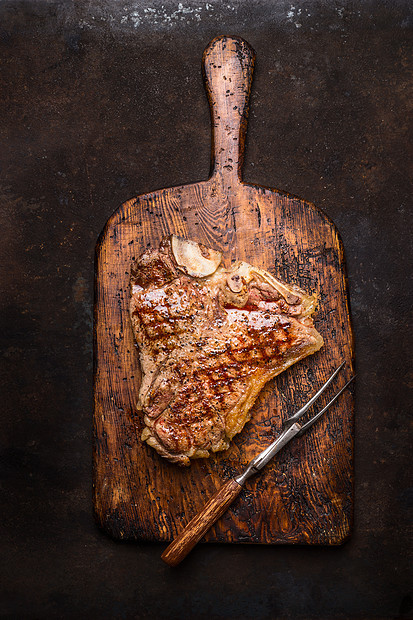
(228, 64)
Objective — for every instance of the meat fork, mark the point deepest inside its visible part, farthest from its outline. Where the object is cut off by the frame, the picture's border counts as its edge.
(218, 504)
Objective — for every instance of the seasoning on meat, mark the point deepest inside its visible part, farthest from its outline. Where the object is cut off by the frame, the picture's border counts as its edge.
(209, 339)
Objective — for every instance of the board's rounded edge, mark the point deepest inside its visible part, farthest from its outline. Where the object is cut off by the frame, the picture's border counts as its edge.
(112, 525)
(285, 194)
(118, 216)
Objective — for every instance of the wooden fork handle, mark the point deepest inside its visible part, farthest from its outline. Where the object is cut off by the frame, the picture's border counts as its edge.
(200, 524)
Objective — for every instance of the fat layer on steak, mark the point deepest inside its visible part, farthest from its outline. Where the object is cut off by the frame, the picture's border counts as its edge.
(209, 338)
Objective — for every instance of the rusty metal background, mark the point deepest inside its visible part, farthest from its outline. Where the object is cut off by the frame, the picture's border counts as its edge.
(102, 101)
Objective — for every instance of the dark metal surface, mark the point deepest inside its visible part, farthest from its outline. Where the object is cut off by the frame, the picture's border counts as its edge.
(100, 103)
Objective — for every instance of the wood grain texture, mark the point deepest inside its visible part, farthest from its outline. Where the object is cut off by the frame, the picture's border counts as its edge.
(200, 524)
(303, 496)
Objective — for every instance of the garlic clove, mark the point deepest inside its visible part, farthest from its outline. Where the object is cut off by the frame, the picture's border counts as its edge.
(193, 258)
(235, 283)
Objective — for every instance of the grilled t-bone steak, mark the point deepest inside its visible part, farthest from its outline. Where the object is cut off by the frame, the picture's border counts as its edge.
(209, 339)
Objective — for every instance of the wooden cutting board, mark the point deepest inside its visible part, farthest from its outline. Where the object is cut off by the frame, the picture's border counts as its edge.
(305, 495)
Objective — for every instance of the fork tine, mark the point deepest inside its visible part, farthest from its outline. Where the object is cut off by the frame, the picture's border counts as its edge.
(320, 413)
(302, 411)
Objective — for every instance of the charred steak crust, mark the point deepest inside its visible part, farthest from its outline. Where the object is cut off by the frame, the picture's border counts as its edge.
(209, 339)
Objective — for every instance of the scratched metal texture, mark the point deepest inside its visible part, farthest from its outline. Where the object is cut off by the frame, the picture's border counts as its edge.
(104, 101)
